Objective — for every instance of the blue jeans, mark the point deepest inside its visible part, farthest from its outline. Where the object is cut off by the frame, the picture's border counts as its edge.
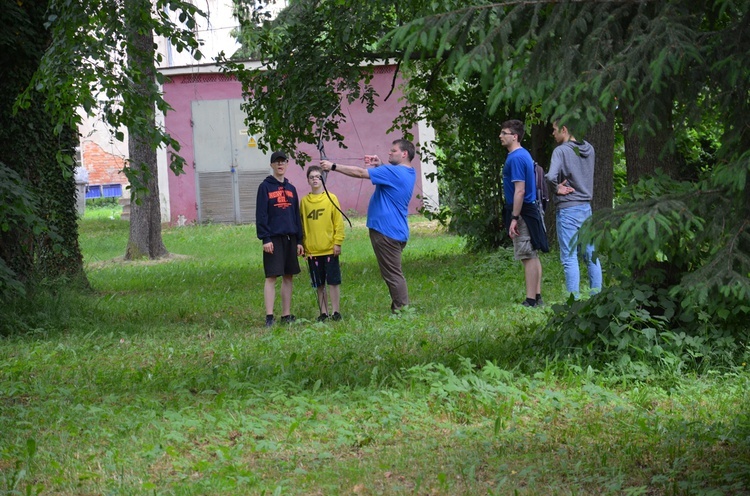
(569, 220)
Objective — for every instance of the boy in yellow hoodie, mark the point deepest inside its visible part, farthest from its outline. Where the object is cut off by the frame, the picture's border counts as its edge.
(323, 226)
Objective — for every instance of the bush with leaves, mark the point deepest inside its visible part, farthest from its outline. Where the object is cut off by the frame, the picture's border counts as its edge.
(468, 157)
(677, 278)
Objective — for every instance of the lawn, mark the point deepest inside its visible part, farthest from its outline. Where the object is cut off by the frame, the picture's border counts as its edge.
(162, 379)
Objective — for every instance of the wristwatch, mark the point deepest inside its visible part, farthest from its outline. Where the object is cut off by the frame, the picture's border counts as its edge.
(515, 217)
(333, 166)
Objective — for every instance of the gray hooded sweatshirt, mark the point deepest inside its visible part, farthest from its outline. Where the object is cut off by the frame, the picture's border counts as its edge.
(575, 166)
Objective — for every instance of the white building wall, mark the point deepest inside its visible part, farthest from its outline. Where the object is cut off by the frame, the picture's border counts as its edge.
(431, 198)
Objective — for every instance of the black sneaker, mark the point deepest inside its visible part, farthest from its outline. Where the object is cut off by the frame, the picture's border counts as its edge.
(525, 303)
(288, 319)
(270, 321)
(539, 302)
(336, 316)
(322, 317)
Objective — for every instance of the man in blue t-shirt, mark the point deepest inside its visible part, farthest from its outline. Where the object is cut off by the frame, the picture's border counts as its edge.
(387, 212)
(521, 214)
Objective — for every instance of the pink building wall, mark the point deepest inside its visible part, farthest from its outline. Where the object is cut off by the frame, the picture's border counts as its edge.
(364, 134)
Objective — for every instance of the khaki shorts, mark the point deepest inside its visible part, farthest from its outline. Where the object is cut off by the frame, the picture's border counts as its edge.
(522, 249)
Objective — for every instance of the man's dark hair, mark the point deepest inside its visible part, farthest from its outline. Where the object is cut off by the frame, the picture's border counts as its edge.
(406, 146)
(516, 127)
(314, 168)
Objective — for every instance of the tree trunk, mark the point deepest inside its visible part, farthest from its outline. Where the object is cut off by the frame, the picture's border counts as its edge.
(540, 147)
(602, 138)
(644, 154)
(145, 209)
(145, 212)
(39, 238)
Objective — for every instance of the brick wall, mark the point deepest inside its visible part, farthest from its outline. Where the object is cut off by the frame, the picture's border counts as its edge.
(103, 167)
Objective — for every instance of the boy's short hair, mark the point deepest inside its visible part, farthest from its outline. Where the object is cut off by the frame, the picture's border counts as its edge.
(406, 146)
(314, 168)
(516, 128)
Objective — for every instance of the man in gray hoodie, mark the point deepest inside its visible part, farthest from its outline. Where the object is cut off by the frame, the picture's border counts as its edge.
(571, 174)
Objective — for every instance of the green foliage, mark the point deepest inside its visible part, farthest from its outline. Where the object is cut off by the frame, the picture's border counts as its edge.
(15, 478)
(99, 203)
(578, 61)
(678, 285)
(89, 69)
(295, 56)
(680, 69)
(697, 142)
(665, 238)
(635, 330)
(17, 212)
(164, 380)
(654, 224)
(38, 230)
(472, 391)
(468, 157)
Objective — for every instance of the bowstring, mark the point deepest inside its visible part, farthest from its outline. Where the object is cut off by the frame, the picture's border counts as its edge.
(321, 148)
(361, 145)
(324, 176)
(421, 194)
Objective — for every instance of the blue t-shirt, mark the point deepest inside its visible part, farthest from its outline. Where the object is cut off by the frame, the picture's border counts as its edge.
(389, 204)
(519, 166)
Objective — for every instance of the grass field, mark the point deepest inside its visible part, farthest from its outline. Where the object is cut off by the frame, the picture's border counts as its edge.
(163, 380)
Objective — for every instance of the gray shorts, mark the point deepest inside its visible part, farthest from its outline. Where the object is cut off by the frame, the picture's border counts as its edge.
(522, 249)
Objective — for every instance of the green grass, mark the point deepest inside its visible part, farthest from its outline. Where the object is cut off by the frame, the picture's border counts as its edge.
(103, 208)
(163, 380)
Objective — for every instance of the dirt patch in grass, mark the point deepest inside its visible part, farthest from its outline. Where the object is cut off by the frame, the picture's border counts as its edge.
(170, 257)
(427, 227)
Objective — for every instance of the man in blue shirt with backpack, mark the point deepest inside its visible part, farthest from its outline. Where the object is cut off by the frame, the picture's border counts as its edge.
(522, 215)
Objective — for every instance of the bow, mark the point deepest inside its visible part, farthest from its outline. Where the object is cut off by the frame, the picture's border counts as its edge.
(322, 150)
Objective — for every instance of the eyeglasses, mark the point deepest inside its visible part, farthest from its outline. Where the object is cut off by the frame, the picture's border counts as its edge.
(281, 162)
(505, 133)
(313, 178)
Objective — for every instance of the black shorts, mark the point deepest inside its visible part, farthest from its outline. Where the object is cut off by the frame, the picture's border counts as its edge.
(283, 261)
(324, 269)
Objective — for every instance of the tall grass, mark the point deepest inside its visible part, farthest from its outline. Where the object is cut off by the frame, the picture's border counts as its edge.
(163, 380)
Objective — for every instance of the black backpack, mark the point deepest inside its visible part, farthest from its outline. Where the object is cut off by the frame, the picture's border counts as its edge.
(542, 193)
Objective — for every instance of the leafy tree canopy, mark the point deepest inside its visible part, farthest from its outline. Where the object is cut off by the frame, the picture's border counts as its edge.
(673, 67)
(85, 66)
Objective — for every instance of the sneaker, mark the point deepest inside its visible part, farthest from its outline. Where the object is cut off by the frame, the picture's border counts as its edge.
(288, 319)
(336, 316)
(322, 317)
(270, 321)
(526, 303)
(539, 302)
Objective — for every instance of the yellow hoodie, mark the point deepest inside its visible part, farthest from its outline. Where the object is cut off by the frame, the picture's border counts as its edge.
(322, 224)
